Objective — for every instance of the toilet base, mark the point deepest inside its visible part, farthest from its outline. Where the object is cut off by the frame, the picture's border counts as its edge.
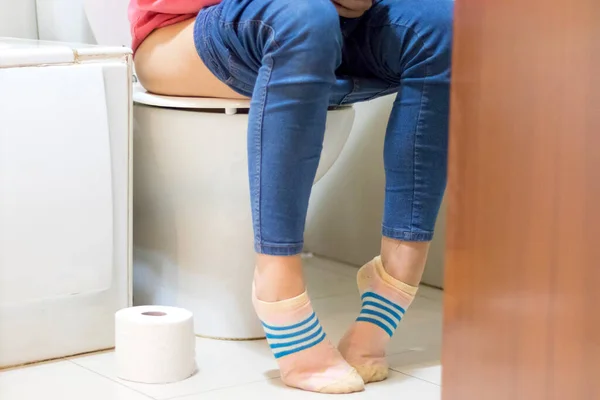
(192, 222)
(157, 280)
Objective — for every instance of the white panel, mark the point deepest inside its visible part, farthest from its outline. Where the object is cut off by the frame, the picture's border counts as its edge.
(117, 83)
(56, 216)
(63, 20)
(12, 55)
(17, 19)
(109, 22)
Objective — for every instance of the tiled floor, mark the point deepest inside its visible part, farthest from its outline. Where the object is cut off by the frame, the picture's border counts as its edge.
(246, 370)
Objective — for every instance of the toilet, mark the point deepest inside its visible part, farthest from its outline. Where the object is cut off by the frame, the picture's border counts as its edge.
(192, 225)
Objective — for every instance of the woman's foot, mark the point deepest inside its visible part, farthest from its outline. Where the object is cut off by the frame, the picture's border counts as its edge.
(384, 302)
(307, 359)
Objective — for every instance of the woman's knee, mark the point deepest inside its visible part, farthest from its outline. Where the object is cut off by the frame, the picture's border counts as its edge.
(430, 37)
(313, 24)
(438, 22)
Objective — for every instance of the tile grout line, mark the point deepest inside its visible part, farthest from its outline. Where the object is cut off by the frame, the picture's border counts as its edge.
(403, 351)
(416, 377)
(218, 389)
(405, 373)
(178, 396)
(112, 380)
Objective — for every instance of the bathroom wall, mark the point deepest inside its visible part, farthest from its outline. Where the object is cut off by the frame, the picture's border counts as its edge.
(63, 21)
(344, 220)
(18, 19)
(57, 20)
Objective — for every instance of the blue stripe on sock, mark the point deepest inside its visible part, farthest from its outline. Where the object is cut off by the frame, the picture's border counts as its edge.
(379, 324)
(307, 346)
(383, 299)
(306, 339)
(384, 308)
(380, 315)
(284, 328)
(295, 334)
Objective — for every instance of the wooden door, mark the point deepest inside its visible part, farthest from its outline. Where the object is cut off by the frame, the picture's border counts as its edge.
(522, 302)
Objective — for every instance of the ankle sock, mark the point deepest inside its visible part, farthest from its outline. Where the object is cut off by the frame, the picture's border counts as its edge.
(384, 302)
(306, 358)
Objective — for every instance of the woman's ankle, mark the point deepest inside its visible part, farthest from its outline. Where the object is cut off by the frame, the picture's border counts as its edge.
(404, 261)
(278, 278)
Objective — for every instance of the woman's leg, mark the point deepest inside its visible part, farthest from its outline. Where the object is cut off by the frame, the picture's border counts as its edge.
(406, 44)
(284, 54)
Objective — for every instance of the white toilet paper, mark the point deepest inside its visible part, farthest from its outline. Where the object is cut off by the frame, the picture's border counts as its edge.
(154, 344)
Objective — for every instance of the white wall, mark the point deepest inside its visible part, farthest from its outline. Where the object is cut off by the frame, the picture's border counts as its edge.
(17, 19)
(344, 219)
(56, 20)
(63, 21)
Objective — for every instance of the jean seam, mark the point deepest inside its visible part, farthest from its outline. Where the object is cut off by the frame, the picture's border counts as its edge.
(204, 37)
(418, 126)
(281, 245)
(355, 87)
(231, 80)
(279, 249)
(380, 93)
(417, 135)
(403, 234)
(255, 22)
(268, 60)
(263, 100)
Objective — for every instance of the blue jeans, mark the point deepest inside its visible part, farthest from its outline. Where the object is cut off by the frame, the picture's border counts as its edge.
(295, 58)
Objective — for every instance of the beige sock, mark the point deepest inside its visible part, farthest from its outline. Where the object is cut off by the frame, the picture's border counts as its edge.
(307, 359)
(385, 300)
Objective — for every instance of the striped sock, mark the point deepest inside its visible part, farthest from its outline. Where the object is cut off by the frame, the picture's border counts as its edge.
(287, 340)
(380, 311)
(384, 303)
(306, 358)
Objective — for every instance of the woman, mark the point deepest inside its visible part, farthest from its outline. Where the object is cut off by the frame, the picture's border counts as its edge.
(294, 59)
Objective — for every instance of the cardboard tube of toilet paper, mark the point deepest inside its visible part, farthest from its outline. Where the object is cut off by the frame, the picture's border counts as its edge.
(154, 344)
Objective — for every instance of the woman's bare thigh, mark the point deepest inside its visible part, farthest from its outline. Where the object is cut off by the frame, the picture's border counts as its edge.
(167, 63)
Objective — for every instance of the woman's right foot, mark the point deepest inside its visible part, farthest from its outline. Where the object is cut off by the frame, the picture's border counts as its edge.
(307, 359)
(385, 300)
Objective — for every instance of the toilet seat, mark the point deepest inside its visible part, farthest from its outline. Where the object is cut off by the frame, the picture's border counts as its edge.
(231, 106)
(142, 96)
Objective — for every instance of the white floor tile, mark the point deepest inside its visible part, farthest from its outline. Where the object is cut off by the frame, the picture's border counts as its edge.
(220, 364)
(398, 386)
(431, 293)
(246, 369)
(424, 364)
(61, 380)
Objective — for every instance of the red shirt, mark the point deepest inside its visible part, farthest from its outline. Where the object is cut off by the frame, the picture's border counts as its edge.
(147, 15)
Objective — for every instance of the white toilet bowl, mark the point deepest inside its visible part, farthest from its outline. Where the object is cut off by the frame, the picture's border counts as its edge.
(192, 225)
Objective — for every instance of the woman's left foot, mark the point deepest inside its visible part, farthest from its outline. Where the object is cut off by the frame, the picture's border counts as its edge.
(384, 302)
(306, 358)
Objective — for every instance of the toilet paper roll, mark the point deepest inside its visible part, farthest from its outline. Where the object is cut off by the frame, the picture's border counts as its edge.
(154, 344)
